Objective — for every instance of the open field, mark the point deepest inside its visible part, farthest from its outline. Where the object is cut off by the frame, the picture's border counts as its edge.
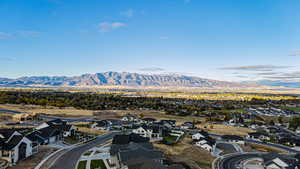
(159, 115)
(185, 152)
(91, 131)
(224, 129)
(47, 110)
(98, 114)
(262, 148)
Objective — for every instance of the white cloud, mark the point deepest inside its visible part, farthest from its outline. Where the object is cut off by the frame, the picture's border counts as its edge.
(110, 26)
(256, 68)
(128, 13)
(4, 35)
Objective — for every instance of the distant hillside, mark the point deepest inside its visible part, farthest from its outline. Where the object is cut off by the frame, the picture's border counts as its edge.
(116, 78)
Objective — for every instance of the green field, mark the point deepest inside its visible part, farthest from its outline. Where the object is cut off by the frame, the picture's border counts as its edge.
(98, 164)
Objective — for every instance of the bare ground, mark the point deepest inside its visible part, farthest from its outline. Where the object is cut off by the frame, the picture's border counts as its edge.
(185, 152)
(35, 159)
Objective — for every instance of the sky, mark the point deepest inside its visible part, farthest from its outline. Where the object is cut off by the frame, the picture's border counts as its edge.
(234, 40)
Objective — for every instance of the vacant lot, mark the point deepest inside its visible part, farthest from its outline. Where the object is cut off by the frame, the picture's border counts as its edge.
(224, 129)
(185, 152)
(262, 148)
(98, 114)
(47, 110)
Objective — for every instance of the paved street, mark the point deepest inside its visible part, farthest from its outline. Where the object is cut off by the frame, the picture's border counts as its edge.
(286, 148)
(70, 158)
(232, 161)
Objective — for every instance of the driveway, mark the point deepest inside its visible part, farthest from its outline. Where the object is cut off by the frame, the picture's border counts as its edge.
(69, 159)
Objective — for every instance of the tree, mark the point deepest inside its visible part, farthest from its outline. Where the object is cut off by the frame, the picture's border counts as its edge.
(280, 119)
(227, 117)
(272, 123)
(294, 123)
(142, 115)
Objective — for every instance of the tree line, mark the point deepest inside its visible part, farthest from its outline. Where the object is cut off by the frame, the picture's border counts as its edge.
(93, 101)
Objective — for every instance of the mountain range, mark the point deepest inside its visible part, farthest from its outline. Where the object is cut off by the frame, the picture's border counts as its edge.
(135, 80)
(117, 79)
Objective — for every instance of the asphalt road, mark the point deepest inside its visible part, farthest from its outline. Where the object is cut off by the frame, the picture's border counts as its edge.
(70, 158)
(286, 148)
(79, 119)
(226, 147)
(10, 111)
(232, 161)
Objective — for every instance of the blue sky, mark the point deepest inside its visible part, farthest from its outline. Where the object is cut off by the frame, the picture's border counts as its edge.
(219, 39)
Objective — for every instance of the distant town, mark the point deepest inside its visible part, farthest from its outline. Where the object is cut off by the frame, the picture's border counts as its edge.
(60, 130)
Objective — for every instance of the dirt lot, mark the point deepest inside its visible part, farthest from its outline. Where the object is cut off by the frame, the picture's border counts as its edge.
(91, 131)
(262, 148)
(99, 114)
(224, 129)
(34, 160)
(184, 152)
(47, 110)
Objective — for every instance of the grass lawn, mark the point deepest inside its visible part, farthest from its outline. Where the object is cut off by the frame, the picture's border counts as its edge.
(82, 165)
(87, 153)
(296, 109)
(170, 139)
(71, 140)
(97, 164)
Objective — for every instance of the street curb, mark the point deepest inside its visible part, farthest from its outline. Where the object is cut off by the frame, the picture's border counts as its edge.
(89, 150)
(57, 151)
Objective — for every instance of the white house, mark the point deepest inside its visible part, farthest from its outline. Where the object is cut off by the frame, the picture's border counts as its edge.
(258, 136)
(276, 163)
(129, 117)
(69, 130)
(206, 144)
(197, 136)
(15, 146)
(151, 132)
(233, 139)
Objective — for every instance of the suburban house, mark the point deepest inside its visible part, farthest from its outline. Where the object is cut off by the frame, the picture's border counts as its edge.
(199, 134)
(258, 136)
(25, 116)
(152, 132)
(233, 139)
(188, 125)
(130, 117)
(101, 125)
(206, 143)
(289, 140)
(136, 152)
(168, 123)
(51, 132)
(148, 120)
(202, 139)
(279, 161)
(14, 146)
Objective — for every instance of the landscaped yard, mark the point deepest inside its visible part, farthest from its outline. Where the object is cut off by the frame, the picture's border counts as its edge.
(82, 165)
(71, 140)
(170, 139)
(87, 153)
(95, 164)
